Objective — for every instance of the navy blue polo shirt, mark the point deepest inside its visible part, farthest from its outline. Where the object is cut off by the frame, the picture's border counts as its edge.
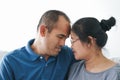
(24, 64)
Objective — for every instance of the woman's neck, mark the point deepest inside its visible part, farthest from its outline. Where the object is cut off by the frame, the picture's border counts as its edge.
(98, 63)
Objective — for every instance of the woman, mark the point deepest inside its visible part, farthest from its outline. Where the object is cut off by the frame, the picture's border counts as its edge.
(88, 37)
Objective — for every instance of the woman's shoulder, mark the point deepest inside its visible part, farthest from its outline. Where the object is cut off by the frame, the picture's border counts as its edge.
(117, 69)
(78, 64)
(76, 67)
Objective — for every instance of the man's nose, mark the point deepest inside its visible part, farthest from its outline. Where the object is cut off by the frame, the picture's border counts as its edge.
(62, 42)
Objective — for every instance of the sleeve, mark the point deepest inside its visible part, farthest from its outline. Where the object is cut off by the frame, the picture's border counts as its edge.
(117, 69)
(6, 72)
(70, 55)
(119, 75)
(71, 59)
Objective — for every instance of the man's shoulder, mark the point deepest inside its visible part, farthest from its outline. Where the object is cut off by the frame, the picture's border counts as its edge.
(66, 48)
(66, 52)
(14, 53)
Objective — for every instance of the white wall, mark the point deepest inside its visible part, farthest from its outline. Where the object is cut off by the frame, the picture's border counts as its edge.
(19, 19)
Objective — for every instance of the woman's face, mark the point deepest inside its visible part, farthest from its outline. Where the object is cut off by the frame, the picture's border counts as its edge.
(79, 48)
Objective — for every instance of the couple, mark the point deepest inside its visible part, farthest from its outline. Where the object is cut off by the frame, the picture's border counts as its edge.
(47, 58)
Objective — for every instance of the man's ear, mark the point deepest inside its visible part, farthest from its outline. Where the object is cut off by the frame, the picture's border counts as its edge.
(43, 30)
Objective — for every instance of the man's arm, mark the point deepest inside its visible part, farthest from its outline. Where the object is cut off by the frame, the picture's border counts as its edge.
(6, 72)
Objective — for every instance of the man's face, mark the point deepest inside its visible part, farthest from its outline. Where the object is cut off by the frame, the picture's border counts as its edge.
(56, 38)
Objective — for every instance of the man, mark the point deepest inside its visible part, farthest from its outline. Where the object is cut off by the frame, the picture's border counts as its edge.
(45, 57)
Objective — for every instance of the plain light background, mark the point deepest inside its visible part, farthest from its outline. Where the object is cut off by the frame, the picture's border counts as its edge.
(19, 19)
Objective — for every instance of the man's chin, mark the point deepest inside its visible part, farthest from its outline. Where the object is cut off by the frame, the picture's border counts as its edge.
(58, 50)
(55, 53)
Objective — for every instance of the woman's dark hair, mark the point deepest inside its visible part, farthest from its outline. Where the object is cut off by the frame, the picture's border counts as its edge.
(50, 17)
(90, 26)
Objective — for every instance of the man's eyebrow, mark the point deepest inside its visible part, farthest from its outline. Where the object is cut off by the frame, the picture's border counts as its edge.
(62, 35)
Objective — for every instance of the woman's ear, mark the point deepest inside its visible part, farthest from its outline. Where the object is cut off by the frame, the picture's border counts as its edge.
(91, 41)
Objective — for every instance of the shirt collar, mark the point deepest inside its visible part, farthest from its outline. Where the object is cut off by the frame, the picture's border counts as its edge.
(33, 55)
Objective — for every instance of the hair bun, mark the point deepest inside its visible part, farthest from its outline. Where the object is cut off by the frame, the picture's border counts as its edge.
(107, 24)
